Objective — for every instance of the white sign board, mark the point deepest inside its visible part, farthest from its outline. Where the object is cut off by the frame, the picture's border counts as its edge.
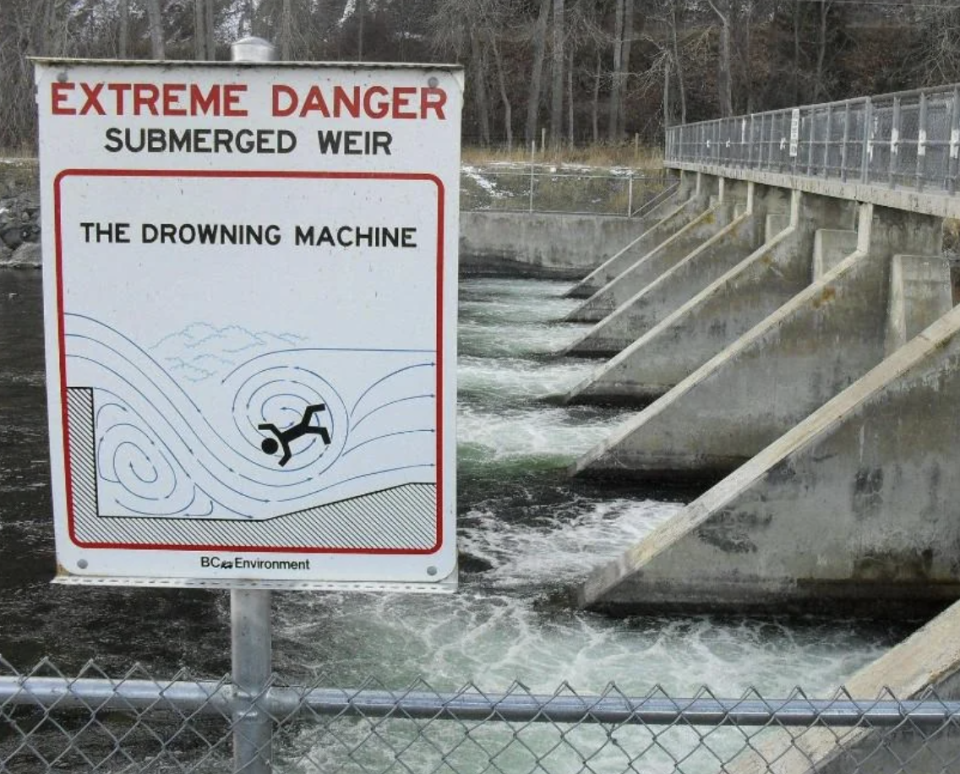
(250, 306)
(794, 132)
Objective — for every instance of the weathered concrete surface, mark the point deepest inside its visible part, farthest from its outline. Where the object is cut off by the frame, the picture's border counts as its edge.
(780, 371)
(542, 244)
(830, 246)
(690, 203)
(854, 509)
(718, 315)
(702, 232)
(938, 204)
(928, 659)
(920, 293)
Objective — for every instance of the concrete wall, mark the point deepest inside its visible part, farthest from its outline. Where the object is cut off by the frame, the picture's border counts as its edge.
(809, 350)
(542, 244)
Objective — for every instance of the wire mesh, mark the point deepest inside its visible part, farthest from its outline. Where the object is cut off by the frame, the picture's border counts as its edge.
(52, 722)
(540, 189)
(906, 140)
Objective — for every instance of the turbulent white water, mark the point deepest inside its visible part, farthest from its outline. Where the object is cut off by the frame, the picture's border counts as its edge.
(536, 533)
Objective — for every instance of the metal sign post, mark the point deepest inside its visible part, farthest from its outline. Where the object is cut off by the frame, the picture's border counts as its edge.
(250, 305)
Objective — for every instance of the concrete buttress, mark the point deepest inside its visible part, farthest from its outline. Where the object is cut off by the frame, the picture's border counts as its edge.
(853, 510)
(723, 311)
(649, 302)
(690, 202)
(779, 372)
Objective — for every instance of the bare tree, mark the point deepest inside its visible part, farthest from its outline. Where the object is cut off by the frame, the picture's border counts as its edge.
(724, 69)
(536, 73)
(628, 33)
(157, 48)
(558, 60)
(124, 29)
(616, 86)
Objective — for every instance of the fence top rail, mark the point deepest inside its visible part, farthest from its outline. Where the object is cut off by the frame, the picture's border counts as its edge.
(223, 698)
(874, 99)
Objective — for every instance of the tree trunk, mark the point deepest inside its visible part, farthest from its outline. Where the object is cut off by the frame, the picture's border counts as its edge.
(210, 30)
(625, 62)
(504, 95)
(571, 133)
(199, 37)
(616, 86)
(286, 31)
(796, 53)
(556, 96)
(821, 51)
(667, 114)
(124, 29)
(595, 106)
(361, 10)
(536, 74)
(157, 49)
(480, 87)
(724, 75)
(677, 62)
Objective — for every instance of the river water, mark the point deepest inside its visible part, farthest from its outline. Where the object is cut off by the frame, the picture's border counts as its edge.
(525, 532)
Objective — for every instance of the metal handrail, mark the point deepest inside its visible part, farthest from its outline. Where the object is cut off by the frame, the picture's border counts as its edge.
(223, 698)
(908, 139)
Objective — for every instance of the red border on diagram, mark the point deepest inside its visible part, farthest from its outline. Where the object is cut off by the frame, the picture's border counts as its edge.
(61, 337)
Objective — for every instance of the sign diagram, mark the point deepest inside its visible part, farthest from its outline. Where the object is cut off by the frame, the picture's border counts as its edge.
(251, 363)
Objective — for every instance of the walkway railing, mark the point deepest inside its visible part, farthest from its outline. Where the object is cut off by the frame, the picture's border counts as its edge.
(136, 722)
(908, 140)
(538, 188)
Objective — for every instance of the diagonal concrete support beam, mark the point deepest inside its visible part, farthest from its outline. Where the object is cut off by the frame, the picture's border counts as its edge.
(853, 510)
(723, 311)
(786, 367)
(927, 660)
(645, 262)
(655, 300)
(691, 201)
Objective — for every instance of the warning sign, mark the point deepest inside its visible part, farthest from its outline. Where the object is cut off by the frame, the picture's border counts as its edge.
(250, 310)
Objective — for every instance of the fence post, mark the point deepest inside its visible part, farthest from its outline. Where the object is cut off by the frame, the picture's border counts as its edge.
(250, 640)
(630, 196)
(921, 142)
(867, 148)
(846, 139)
(533, 153)
(895, 144)
(954, 151)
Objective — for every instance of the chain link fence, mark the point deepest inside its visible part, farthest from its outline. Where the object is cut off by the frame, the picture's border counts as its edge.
(540, 188)
(906, 140)
(92, 722)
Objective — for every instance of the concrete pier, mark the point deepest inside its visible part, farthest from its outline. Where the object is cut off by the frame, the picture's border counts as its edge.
(768, 380)
(852, 510)
(690, 202)
(703, 233)
(723, 311)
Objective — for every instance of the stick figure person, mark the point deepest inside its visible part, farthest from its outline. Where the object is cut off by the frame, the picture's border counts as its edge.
(284, 437)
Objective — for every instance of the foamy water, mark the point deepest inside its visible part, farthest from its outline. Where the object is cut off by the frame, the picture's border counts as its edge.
(527, 533)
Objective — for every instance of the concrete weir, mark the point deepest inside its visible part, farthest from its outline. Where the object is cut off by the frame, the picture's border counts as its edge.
(690, 201)
(723, 310)
(852, 509)
(727, 219)
(788, 365)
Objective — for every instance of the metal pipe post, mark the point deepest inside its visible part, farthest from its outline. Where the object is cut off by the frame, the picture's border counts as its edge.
(252, 665)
